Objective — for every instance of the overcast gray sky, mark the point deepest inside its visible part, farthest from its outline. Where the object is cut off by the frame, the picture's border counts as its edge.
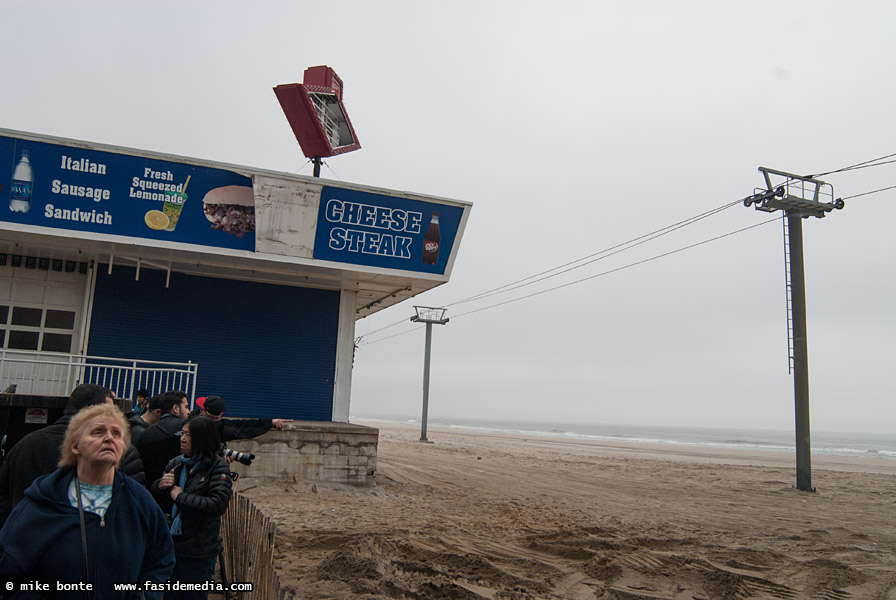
(572, 127)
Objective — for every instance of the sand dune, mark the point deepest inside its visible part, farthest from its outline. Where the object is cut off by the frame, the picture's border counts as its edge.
(504, 517)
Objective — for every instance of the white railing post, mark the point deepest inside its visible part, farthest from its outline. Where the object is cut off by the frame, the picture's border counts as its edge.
(193, 369)
(133, 379)
(68, 373)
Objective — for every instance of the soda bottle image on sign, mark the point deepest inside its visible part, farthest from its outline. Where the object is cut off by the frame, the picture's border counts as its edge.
(431, 241)
(22, 180)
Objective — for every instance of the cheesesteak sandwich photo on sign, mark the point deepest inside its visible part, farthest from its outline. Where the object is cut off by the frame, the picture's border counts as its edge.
(231, 208)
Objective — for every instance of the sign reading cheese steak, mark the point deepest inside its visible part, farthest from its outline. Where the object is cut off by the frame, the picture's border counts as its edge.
(375, 230)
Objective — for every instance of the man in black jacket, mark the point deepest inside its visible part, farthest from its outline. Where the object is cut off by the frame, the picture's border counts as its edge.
(235, 429)
(150, 416)
(160, 443)
(38, 452)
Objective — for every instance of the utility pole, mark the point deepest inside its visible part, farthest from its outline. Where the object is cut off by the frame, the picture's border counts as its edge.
(799, 197)
(800, 353)
(428, 315)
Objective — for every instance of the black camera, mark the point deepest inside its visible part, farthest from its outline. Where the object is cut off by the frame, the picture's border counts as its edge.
(243, 457)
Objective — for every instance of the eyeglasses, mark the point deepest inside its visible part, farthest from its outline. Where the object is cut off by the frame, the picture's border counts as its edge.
(185, 434)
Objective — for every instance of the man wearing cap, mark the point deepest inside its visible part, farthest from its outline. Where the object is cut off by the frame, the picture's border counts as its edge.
(140, 405)
(235, 429)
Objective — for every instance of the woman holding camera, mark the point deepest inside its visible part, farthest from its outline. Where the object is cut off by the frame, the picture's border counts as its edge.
(195, 490)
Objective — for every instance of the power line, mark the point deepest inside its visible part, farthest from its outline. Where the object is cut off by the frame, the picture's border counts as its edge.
(634, 264)
(621, 249)
(405, 320)
(618, 247)
(861, 165)
(590, 277)
(888, 162)
(389, 337)
(868, 193)
(601, 255)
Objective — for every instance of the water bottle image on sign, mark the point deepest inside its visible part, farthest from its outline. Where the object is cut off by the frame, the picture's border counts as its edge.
(22, 180)
(431, 241)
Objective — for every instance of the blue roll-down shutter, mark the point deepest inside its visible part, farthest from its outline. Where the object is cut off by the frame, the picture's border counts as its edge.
(268, 350)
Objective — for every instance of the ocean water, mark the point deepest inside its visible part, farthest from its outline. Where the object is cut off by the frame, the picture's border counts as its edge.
(869, 445)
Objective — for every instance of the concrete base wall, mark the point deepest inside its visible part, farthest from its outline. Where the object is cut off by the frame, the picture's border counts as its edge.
(321, 451)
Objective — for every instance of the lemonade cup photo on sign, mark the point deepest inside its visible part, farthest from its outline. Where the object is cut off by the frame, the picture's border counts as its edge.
(172, 207)
(173, 204)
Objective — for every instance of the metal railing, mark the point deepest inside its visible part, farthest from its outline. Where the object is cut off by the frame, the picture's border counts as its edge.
(57, 374)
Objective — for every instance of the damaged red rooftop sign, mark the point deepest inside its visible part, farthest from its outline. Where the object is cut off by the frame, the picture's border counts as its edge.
(316, 114)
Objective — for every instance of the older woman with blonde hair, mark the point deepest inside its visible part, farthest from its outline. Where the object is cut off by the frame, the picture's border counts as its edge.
(87, 524)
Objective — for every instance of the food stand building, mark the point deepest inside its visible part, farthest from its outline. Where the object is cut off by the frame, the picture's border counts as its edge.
(139, 265)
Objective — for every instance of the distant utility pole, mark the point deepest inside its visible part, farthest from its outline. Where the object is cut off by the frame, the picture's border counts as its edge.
(428, 315)
(799, 197)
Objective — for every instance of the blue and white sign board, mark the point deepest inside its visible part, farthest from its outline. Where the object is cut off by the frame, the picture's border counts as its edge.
(364, 228)
(124, 195)
(68, 187)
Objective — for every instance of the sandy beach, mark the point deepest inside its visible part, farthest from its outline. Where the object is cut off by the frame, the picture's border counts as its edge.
(508, 517)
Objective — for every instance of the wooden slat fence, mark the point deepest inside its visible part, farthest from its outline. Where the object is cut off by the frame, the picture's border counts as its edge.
(248, 538)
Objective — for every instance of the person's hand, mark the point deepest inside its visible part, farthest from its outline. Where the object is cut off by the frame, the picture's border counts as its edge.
(167, 480)
(278, 423)
(175, 492)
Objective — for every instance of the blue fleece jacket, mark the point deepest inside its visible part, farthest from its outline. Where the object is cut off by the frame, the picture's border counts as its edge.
(41, 540)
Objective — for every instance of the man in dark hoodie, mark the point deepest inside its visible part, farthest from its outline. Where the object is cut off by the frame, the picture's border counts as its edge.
(38, 452)
(160, 443)
(150, 416)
